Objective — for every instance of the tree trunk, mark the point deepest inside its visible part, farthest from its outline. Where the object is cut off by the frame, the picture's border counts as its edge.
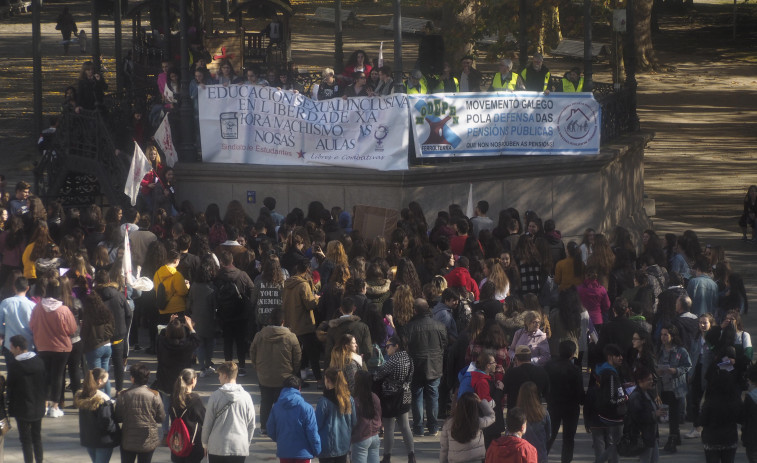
(549, 33)
(458, 18)
(554, 34)
(645, 57)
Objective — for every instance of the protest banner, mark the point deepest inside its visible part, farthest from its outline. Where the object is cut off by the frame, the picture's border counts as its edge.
(494, 124)
(264, 125)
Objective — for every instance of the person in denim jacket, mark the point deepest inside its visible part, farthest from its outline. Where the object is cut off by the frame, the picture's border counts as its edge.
(673, 363)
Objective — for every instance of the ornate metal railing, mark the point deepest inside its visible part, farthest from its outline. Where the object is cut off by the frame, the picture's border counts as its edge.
(83, 161)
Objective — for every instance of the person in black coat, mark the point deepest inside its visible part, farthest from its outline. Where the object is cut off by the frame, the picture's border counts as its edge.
(749, 425)
(188, 406)
(643, 413)
(620, 330)
(524, 371)
(175, 346)
(566, 394)
(721, 413)
(122, 315)
(98, 430)
(427, 340)
(26, 396)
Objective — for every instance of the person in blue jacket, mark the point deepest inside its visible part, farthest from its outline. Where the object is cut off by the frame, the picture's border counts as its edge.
(292, 424)
(336, 417)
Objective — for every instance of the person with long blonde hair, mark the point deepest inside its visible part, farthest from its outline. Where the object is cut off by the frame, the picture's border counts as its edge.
(335, 256)
(602, 259)
(345, 358)
(495, 273)
(539, 427)
(336, 417)
(402, 307)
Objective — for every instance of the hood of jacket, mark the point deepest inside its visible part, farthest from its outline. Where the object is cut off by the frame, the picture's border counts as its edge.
(553, 237)
(107, 292)
(232, 391)
(508, 447)
(458, 276)
(50, 304)
(294, 281)
(342, 320)
(90, 403)
(290, 398)
(605, 367)
(274, 334)
(375, 288)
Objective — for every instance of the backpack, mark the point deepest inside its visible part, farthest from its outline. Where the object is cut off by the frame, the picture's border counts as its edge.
(178, 438)
(229, 301)
(161, 298)
(607, 411)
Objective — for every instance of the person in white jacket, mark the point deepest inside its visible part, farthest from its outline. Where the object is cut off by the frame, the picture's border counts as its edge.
(229, 419)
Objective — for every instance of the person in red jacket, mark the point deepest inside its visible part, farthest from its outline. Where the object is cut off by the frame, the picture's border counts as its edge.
(512, 448)
(459, 277)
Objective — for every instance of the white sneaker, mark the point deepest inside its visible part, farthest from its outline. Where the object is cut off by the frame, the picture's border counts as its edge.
(56, 413)
(693, 434)
(47, 412)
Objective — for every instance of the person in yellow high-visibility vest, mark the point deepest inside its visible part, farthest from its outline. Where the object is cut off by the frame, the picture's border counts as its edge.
(505, 80)
(416, 83)
(447, 82)
(536, 75)
(572, 82)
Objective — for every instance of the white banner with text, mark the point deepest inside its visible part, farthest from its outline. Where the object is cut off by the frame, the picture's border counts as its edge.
(250, 124)
(494, 124)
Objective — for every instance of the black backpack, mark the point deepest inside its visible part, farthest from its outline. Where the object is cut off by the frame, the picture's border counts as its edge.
(161, 298)
(611, 405)
(230, 303)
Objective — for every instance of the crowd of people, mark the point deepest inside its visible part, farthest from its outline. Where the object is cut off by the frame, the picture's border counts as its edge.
(472, 330)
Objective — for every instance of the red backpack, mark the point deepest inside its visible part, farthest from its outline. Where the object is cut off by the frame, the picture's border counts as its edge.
(178, 438)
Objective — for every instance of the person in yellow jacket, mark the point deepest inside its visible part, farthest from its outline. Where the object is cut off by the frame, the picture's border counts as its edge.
(536, 75)
(175, 284)
(505, 80)
(447, 82)
(416, 83)
(36, 249)
(572, 82)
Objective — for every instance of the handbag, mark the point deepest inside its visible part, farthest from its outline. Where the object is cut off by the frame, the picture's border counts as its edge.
(5, 426)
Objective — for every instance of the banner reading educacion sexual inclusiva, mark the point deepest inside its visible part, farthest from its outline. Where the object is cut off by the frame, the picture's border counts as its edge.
(262, 125)
(493, 124)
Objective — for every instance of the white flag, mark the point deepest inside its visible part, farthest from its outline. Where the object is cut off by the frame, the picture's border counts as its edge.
(469, 209)
(126, 265)
(165, 143)
(140, 166)
(381, 55)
